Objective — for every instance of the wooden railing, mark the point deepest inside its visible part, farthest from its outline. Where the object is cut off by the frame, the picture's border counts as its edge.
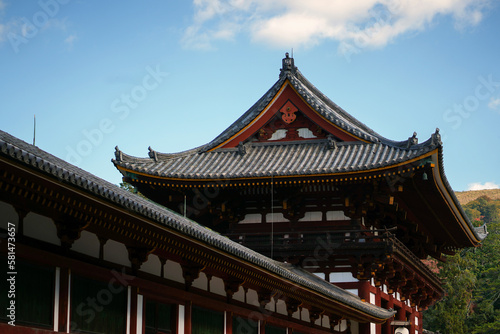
(348, 242)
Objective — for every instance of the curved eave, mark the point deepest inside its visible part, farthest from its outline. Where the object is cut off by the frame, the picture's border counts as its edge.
(451, 200)
(357, 174)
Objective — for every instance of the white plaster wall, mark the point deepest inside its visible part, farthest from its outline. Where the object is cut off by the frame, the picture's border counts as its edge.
(306, 133)
(7, 215)
(343, 277)
(342, 326)
(305, 315)
(336, 215)
(296, 315)
(173, 271)
(41, 228)
(116, 252)
(311, 216)
(325, 321)
(281, 307)
(320, 275)
(201, 282)
(152, 265)
(239, 295)
(354, 327)
(373, 298)
(252, 218)
(270, 306)
(217, 286)
(252, 297)
(87, 244)
(279, 134)
(276, 217)
(353, 291)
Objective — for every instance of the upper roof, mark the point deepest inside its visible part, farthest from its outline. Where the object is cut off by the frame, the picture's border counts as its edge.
(293, 129)
(14, 149)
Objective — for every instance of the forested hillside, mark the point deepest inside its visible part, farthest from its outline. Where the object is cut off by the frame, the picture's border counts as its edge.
(472, 279)
(465, 197)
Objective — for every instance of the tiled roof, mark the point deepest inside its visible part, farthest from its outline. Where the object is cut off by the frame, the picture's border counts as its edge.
(32, 157)
(293, 158)
(277, 159)
(316, 99)
(283, 158)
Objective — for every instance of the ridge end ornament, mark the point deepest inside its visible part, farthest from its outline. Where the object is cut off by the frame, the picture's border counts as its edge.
(288, 111)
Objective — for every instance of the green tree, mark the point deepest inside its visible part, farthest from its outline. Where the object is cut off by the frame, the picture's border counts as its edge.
(449, 315)
(472, 303)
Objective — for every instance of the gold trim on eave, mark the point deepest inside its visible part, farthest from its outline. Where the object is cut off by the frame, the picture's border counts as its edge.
(336, 175)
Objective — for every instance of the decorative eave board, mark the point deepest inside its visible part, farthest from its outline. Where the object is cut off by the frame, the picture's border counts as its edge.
(289, 112)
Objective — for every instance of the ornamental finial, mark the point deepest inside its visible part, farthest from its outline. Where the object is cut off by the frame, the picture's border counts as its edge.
(436, 138)
(287, 65)
(413, 140)
(241, 148)
(118, 154)
(331, 142)
(152, 154)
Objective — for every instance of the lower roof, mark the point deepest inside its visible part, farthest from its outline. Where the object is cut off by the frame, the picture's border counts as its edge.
(276, 159)
(14, 149)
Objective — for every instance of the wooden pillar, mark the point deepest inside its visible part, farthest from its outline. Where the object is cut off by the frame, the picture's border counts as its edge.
(378, 302)
(133, 309)
(64, 278)
(411, 319)
(228, 316)
(262, 326)
(188, 311)
(364, 293)
(420, 326)
(402, 313)
(364, 290)
(364, 328)
(386, 328)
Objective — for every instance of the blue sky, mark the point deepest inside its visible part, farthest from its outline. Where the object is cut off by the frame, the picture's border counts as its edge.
(174, 74)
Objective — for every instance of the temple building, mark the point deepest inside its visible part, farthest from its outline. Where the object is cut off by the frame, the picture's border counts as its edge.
(81, 255)
(308, 187)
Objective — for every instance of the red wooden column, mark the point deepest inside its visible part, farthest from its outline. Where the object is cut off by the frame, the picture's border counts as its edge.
(229, 322)
(412, 322)
(378, 302)
(420, 326)
(387, 328)
(364, 293)
(262, 327)
(133, 309)
(187, 317)
(63, 299)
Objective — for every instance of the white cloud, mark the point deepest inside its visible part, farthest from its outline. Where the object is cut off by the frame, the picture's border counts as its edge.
(355, 24)
(70, 39)
(494, 103)
(479, 186)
